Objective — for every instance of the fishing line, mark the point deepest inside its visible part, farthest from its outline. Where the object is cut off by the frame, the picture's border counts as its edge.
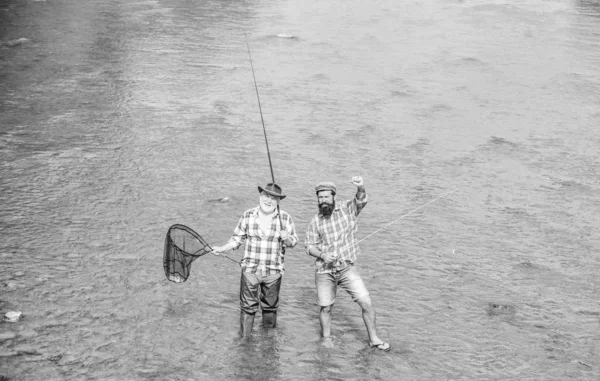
(406, 214)
(264, 130)
(397, 219)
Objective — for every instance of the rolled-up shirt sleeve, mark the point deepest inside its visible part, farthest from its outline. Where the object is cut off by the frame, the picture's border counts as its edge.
(239, 233)
(358, 202)
(312, 237)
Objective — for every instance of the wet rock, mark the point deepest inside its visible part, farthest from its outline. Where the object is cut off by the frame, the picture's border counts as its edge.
(527, 266)
(222, 199)
(53, 358)
(11, 285)
(13, 316)
(504, 310)
(147, 372)
(16, 42)
(28, 351)
(582, 363)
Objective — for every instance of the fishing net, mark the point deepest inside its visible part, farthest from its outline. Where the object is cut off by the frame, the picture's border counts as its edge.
(182, 247)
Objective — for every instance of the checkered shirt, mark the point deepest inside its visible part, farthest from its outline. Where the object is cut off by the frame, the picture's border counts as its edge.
(336, 233)
(262, 250)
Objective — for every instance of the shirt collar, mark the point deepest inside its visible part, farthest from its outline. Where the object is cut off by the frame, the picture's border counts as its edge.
(256, 210)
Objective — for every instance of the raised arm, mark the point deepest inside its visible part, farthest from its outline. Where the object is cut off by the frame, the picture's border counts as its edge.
(360, 199)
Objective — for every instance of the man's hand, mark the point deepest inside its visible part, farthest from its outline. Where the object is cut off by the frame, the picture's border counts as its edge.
(216, 250)
(358, 181)
(329, 257)
(284, 235)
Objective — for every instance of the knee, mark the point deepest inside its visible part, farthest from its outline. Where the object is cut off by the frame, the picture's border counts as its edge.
(248, 305)
(326, 309)
(249, 310)
(365, 303)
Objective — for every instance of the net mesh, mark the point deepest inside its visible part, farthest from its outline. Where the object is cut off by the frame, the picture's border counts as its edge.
(182, 247)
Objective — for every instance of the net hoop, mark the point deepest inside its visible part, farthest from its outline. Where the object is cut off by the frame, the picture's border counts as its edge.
(182, 247)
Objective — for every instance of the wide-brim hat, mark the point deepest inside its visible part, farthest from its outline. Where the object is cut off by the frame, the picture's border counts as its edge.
(272, 189)
(325, 186)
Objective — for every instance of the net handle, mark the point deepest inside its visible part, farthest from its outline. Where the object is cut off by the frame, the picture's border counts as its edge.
(198, 237)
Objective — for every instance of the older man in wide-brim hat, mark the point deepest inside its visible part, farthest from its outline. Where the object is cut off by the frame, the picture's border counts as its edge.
(265, 231)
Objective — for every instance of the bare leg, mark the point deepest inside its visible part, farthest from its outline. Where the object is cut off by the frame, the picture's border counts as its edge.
(368, 313)
(325, 320)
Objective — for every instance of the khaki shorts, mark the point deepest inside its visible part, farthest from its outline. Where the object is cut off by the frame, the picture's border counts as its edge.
(348, 279)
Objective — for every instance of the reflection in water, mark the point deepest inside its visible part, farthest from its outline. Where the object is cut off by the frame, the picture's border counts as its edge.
(258, 358)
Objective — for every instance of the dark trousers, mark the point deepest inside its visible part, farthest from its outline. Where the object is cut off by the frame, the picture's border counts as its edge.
(257, 290)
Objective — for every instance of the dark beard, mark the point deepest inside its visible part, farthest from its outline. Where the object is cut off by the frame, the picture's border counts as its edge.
(326, 209)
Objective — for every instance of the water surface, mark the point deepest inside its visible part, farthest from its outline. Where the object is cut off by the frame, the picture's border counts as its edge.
(119, 119)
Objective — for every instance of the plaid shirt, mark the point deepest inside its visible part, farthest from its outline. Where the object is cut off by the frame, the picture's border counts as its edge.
(262, 251)
(336, 233)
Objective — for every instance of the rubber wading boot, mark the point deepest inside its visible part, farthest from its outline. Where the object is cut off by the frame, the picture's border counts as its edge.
(246, 323)
(269, 319)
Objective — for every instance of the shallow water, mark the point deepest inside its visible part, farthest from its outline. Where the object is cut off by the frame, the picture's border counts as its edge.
(119, 119)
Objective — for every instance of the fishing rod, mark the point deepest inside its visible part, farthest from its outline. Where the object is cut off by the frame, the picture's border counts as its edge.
(260, 110)
(264, 130)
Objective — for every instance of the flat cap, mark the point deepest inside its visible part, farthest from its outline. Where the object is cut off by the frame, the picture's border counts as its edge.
(325, 185)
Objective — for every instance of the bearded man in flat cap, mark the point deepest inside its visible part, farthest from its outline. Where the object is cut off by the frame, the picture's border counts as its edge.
(331, 239)
(266, 231)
